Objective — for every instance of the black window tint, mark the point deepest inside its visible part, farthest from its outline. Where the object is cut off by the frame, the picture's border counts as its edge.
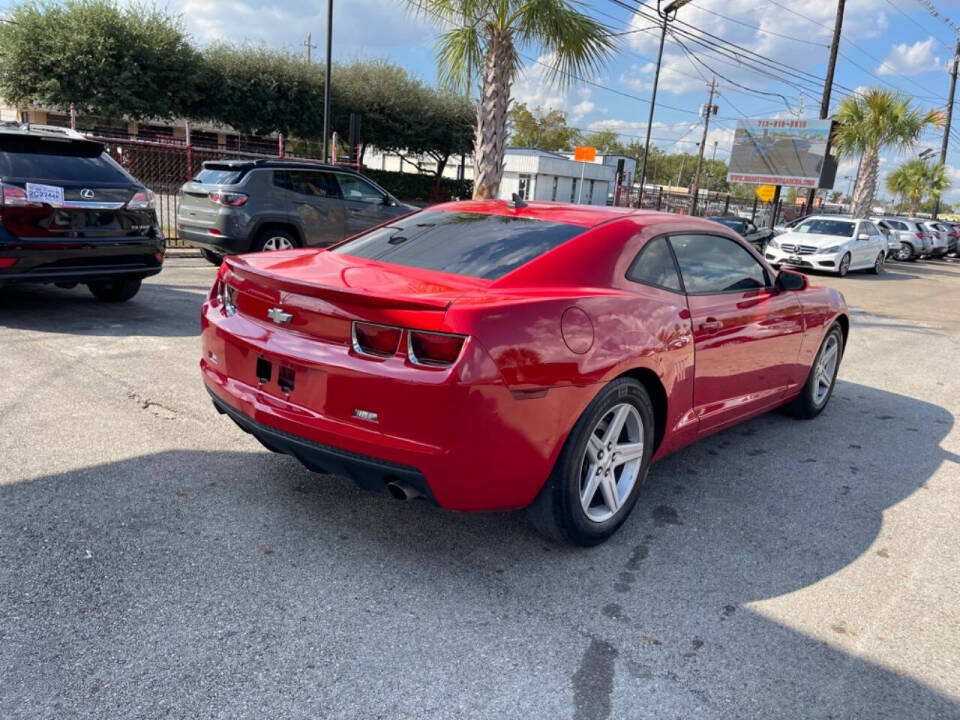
(359, 190)
(463, 243)
(32, 158)
(654, 266)
(307, 182)
(712, 264)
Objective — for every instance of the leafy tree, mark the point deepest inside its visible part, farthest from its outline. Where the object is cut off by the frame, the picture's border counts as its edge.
(869, 122)
(482, 41)
(547, 130)
(107, 59)
(607, 142)
(916, 180)
(444, 127)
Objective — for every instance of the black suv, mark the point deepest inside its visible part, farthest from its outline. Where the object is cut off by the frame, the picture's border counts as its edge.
(238, 206)
(70, 214)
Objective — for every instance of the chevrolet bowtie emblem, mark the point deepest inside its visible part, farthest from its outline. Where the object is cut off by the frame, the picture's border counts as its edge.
(279, 316)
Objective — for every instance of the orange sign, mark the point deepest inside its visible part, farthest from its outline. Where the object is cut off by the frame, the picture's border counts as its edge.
(766, 192)
(584, 154)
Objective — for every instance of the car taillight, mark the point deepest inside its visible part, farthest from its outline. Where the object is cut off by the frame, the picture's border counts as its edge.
(229, 199)
(373, 339)
(920, 235)
(430, 348)
(216, 292)
(142, 200)
(14, 196)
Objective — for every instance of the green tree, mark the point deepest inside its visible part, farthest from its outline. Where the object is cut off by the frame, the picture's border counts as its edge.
(916, 180)
(547, 130)
(869, 122)
(107, 59)
(607, 142)
(482, 41)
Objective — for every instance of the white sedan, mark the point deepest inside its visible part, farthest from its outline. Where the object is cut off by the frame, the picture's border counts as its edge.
(831, 243)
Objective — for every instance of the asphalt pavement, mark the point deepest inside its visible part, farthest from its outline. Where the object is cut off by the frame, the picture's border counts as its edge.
(156, 562)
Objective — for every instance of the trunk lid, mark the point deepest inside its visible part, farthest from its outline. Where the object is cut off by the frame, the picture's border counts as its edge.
(324, 292)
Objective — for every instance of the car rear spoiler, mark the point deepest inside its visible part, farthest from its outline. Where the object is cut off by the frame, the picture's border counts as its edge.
(334, 294)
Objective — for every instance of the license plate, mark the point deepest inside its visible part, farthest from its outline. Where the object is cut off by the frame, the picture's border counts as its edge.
(795, 259)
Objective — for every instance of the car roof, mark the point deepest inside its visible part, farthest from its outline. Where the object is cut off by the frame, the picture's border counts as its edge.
(275, 164)
(583, 215)
(40, 131)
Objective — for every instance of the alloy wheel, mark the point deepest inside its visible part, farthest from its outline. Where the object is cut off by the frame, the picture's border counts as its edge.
(844, 264)
(878, 264)
(277, 243)
(906, 252)
(826, 369)
(611, 462)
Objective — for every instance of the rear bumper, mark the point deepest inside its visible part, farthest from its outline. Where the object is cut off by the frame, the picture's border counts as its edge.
(220, 244)
(475, 445)
(370, 473)
(80, 261)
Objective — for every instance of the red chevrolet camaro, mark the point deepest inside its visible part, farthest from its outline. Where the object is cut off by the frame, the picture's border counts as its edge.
(493, 355)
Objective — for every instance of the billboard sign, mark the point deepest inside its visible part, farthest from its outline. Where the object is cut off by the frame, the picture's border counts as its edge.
(782, 152)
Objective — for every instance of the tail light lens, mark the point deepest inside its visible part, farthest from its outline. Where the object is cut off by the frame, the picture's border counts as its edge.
(228, 199)
(920, 235)
(377, 340)
(13, 196)
(142, 200)
(216, 292)
(435, 349)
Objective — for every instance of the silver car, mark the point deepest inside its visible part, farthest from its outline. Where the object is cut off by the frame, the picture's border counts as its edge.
(939, 239)
(911, 239)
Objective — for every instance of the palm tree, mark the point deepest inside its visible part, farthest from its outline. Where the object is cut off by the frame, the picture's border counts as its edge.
(483, 36)
(869, 122)
(917, 179)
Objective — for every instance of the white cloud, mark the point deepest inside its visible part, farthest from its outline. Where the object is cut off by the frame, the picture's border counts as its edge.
(534, 88)
(912, 59)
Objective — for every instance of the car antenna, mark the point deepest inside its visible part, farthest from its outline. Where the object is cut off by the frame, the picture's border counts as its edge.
(518, 202)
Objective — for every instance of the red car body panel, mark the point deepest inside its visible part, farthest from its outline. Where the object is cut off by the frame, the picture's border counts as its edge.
(542, 341)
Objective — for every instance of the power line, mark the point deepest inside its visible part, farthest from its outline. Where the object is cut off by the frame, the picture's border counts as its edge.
(763, 30)
(925, 29)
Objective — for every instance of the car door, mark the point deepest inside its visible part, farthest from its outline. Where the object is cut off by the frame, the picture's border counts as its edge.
(315, 198)
(364, 203)
(746, 332)
(865, 251)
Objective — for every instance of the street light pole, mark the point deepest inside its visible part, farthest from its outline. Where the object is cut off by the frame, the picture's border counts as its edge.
(666, 14)
(326, 85)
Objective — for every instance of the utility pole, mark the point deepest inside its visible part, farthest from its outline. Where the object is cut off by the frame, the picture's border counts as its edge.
(828, 87)
(308, 43)
(666, 15)
(946, 129)
(326, 85)
(695, 189)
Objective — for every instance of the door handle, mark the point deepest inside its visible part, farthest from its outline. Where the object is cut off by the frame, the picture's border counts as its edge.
(711, 324)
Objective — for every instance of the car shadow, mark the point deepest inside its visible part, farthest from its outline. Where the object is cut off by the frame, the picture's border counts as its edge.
(158, 310)
(186, 577)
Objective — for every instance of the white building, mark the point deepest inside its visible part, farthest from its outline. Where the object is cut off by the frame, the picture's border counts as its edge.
(531, 173)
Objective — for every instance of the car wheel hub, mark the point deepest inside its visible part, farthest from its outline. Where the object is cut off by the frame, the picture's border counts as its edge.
(611, 462)
(825, 370)
(277, 243)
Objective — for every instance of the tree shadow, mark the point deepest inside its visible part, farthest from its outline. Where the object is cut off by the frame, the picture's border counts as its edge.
(238, 583)
(158, 310)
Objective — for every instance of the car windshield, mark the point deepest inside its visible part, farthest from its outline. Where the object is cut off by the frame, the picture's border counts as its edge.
(217, 176)
(819, 226)
(71, 161)
(462, 243)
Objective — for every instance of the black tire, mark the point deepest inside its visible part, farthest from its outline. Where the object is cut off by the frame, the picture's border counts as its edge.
(805, 406)
(119, 290)
(844, 267)
(211, 257)
(877, 265)
(557, 511)
(275, 236)
(907, 253)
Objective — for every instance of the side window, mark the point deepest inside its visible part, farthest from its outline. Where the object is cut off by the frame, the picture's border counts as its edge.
(307, 182)
(654, 266)
(359, 190)
(713, 264)
(869, 229)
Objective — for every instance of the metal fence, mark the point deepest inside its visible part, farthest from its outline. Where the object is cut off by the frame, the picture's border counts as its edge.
(709, 204)
(164, 166)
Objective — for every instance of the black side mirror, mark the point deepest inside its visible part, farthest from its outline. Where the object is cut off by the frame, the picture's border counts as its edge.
(789, 280)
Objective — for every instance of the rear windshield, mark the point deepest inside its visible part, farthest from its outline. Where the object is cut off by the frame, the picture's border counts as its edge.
(35, 158)
(218, 176)
(732, 223)
(462, 243)
(840, 228)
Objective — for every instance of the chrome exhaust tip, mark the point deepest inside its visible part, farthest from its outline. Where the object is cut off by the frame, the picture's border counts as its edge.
(401, 490)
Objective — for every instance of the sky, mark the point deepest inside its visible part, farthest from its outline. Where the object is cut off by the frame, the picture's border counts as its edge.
(905, 45)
